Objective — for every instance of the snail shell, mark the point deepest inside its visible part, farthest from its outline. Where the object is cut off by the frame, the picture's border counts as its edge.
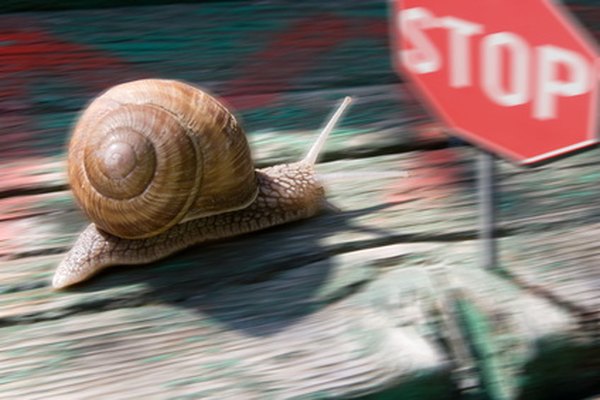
(149, 154)
(159, 166)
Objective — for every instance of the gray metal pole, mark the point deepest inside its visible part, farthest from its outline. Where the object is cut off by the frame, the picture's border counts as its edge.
(487, 220)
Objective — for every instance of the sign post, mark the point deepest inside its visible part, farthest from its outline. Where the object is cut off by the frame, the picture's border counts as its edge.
(519, 78)
(485, 187)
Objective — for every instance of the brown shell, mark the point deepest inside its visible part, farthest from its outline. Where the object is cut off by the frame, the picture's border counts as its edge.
(147, 154)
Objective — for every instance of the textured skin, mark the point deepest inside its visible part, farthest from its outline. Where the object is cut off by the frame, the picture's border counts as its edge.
(287, 192)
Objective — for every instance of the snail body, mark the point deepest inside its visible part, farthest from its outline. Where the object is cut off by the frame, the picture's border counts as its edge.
(160, 165)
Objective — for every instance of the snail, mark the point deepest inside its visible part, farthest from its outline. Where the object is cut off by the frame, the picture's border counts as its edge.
(160, 165)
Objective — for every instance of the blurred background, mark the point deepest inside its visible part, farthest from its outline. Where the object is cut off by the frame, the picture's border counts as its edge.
(359, 303)
(266, 58)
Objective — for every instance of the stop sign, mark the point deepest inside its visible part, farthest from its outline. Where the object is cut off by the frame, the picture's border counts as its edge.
(518, 77)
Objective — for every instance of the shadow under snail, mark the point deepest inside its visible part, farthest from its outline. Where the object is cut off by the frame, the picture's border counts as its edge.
(159, 165)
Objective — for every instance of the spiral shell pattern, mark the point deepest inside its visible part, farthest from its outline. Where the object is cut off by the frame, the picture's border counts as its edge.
(147, 154)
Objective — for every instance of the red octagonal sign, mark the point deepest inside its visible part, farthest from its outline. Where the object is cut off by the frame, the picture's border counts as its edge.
(518, 77)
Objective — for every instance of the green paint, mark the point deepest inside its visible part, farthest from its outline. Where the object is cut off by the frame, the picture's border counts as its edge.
(375, 9)
(197, 339)
(201, 394)
(222, 364)
(380, 68)
(480, 334)
(174, 383)
(509, 201)
(562, 369)
(318, 395)
(590, 177)
(551, 266)
(158, 358)
(424, 386)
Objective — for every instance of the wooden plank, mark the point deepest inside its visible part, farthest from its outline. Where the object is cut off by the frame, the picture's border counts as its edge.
(50, 63)
(10, 6)
(393, 290)
(389, 282)
(342, 305)
(41, 5)
(54, 216)
(523, 334)
(561, 265)
(375, 214)
(383, 119)
(435, 202)
(271, 331)
(251, 57)
(425, 196)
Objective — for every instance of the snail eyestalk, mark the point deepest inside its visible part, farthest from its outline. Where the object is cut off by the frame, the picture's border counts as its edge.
(313, 153)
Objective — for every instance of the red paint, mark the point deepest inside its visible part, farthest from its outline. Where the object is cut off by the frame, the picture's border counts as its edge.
(292, 54)
(25, 50)
(34, 172)
(263, 76)
(13, 208)
(15, 132)
(432, 175)
(15, 228)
